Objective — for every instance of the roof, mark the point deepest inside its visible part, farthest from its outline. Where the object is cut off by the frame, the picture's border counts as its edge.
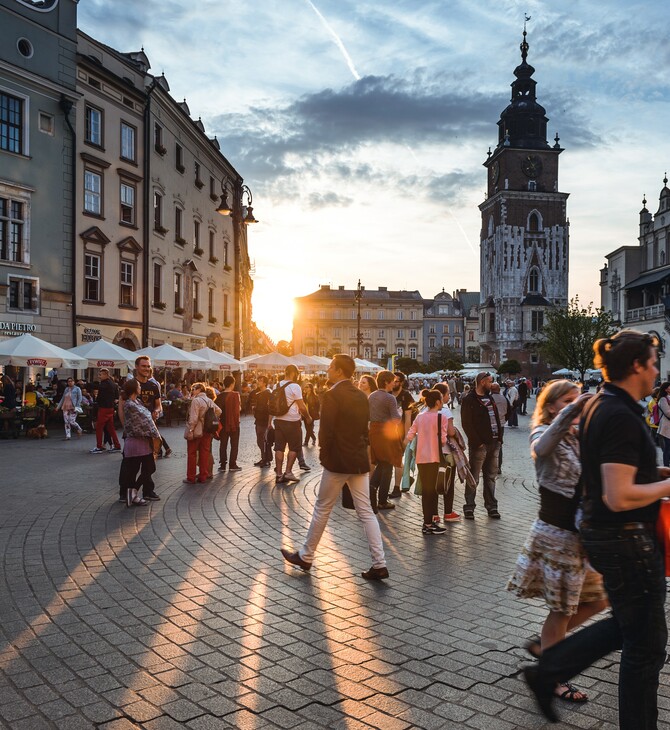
(469, 299)
(535, 300)
(651, 277)
(326, 293)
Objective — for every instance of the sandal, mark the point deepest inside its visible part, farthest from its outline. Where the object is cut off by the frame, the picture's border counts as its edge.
(569, 693)
(534, 647)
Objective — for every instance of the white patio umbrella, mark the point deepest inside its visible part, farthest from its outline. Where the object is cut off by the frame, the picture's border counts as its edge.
(169, 356)
(105, 354)
(270, 361)
(308, 362)
(219, 360)
(364, 366)
(29, 351)
(563, 371)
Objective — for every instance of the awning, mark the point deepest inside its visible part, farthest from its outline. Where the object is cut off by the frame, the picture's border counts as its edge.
(652, 277)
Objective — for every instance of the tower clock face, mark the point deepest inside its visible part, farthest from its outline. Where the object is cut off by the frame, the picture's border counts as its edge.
(495, 172)
(531, 166)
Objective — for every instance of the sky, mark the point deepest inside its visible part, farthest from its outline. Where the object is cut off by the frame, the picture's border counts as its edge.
(361, 127)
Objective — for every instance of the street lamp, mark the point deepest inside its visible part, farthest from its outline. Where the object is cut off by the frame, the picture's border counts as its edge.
(242, 215)
(358, 296)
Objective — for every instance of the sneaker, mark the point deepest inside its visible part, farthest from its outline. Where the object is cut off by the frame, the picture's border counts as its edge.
(96, 450)
(452, 517)
(386, 505)
(153, 497)
(469, 514)
(114, 449)
(259, 463)
(288, 477)
(304, 467)
(131, 494)
(235, 468)
(395, 494)
(434, 529)
(494, 514)
(222, 467)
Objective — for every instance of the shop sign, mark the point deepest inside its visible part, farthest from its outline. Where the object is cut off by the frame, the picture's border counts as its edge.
(225, 367)
(36, 362)
(172, 364)
(91, 335)
(13, 329)
(106, 364)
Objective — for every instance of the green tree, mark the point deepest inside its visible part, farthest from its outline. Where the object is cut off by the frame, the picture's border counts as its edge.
(445, 358)
(569, 333)
(285, 348)
(510, 366)
(409, 365)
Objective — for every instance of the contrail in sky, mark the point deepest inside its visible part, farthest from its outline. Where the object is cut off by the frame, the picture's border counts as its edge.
(338, 41)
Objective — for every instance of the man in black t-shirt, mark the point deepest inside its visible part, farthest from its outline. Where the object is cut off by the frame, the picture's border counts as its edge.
(621, 501)
(262, 421)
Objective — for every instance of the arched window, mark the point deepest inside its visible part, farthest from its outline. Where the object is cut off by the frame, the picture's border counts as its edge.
(534, 281)
(662, 258)
(490, 225)
(534, 221)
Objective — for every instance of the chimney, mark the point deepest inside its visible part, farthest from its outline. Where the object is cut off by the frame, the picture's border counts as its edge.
(341, 287)
(325, 287)
(382, 288)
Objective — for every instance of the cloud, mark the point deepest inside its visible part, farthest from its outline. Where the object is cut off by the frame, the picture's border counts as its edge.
(329, 199)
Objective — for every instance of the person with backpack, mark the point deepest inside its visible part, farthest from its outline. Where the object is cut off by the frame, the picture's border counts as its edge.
(197, 443)
(287, 407)
(661, 415)
(231, 405)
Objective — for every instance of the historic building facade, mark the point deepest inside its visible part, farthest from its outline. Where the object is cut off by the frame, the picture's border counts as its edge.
(37, 234)
(391, 323)
(635, 281)
(444, 324)
(524, 236)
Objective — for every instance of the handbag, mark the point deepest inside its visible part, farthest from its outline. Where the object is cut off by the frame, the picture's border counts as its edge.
(447, 462)
(78, 410)
(663, 531)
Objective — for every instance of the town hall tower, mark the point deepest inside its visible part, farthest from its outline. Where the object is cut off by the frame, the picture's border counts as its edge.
(524, 234)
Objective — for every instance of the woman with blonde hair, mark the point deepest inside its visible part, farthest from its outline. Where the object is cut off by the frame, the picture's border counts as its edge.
(553, 563)
(198, 443)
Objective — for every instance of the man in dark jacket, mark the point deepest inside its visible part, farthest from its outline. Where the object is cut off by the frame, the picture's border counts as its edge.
(108, 396)
(343, 442)
(482, 426)
(262, 421)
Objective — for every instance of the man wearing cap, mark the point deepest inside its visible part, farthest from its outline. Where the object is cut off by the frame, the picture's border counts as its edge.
(483, 428)
(108, 396)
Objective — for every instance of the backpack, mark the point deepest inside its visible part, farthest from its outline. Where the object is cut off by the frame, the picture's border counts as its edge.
(277, 404)
(211, 422)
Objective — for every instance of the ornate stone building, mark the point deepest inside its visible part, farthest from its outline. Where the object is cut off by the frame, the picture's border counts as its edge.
(635, 281)
(524, 235)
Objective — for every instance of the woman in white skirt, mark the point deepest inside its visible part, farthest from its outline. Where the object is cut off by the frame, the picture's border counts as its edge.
(552, 564)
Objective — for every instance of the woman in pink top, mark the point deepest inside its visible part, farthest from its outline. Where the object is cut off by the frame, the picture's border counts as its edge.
(428, 447)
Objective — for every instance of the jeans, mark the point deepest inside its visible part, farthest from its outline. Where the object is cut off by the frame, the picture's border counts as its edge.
(234, 437)
(262, 441)
(483, 459)
(665, 445)
(428, 474)
(381, 480)
(329, 492)
(632, 567)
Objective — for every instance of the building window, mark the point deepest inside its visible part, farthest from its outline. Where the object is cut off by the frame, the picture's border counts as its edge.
(322, 313)
(353, 332)
(457, 342)
(431, 329)
(536, 320)
(179, 157)
(127, 203)
(445, 342)
(196, 234)
(158, 284)
(158, 212)
(492, 321)
(431, 342)
(127, 283)
(212, 189)
(400, 334)
(178, 220)
(196, 297)
(400, 351)
(381, 314)
(483, 323)
(46, 123)
(93, 126)
(92, 278)
(445, 329)
(366, 314)
(382, 334)
(353, 352)
(158, 139)
(412, 334)
(337, 333)
(336, 314)
(23, 294)
(92, 192)
(198, 182)
(225, 253)
(128, 148)
(354, 314)
(210, 304)
(400, 314)
(178, 308)
(457, 329)
(367, 352)
(412, 353)
(412, 315)
(366, 334)
(11, 123)
(471, 336)
(534, 280)
(226, 321)
(534, 358)
(12, 230)
(212, 257)
(381, 353)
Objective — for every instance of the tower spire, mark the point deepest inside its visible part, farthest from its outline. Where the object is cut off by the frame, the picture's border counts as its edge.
(524, 45)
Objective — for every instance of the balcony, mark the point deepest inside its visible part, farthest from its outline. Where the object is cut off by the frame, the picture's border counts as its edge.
(656, 311)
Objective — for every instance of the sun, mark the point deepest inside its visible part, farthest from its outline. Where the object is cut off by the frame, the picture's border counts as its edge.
(273, 309)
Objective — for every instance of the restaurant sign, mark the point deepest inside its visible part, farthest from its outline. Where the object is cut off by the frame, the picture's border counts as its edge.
(106, 364)
(13, 329)
(91, 335)
(36, 362)
(172, 364)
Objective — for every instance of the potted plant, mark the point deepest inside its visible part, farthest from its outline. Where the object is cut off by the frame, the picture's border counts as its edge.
(161, 149)
(198, 315)
(180, 240)
(199, 184)
(179, 310)
(227, 267)
(226, 323)
(161, 230)
(198, 251)
(159, 305)
(212, 320)
(213, 260)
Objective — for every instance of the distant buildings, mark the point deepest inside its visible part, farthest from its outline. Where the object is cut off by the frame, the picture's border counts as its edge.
(635, 281)
(398, 323)
(119, 217)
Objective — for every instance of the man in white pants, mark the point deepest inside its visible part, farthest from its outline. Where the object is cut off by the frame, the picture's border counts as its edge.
(343, 442)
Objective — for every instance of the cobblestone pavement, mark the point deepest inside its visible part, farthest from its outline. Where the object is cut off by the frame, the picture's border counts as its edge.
(183, 614)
